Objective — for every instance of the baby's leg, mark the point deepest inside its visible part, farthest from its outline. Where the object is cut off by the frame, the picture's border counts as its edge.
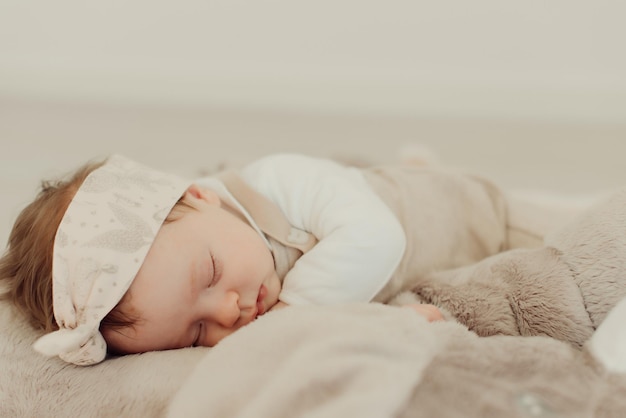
(453, 219)
(530, 216)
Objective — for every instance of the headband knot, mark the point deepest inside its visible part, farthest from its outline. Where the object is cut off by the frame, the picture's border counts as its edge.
(82, 345)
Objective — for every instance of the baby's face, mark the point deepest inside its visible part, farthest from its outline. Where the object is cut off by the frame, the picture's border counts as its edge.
(206, 275)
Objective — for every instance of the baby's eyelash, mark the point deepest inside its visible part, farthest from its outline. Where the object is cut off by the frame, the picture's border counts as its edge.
(217, 271)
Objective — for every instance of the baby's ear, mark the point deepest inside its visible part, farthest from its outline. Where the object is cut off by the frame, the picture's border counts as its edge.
(201, 193)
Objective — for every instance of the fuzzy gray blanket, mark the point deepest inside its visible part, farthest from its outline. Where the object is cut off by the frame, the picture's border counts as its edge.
(562, 290)
(382, 361)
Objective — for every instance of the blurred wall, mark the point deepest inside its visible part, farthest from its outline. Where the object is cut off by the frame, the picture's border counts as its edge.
(530, 93)
(557, 59)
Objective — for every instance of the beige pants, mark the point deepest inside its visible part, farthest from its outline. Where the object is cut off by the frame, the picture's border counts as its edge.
(453, 219)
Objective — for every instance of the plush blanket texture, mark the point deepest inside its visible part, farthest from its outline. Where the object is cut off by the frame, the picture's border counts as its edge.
(563, 290)
(382, 361)
(363, 360)
(32, 385)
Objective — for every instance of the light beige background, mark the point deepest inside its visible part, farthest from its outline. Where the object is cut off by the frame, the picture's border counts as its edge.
(531, 94)
(44, 140)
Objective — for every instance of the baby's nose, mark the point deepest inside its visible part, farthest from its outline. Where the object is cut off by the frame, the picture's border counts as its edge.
(227, 311)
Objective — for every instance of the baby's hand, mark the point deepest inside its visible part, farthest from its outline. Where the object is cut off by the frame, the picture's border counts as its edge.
(430, 312)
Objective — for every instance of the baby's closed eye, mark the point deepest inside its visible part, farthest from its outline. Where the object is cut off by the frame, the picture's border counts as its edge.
(216, 271)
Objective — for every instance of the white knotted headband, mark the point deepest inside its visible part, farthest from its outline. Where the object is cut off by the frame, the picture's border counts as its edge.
(99, 247)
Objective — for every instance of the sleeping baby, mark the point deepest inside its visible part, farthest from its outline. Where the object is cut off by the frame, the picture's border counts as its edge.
(121, 258)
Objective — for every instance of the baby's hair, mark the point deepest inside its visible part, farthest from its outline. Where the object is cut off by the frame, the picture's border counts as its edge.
(26, 266)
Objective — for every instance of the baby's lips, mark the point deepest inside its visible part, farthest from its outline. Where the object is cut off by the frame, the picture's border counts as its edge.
(260, 298)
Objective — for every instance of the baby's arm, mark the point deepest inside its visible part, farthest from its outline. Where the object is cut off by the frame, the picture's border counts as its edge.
(360, 240)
